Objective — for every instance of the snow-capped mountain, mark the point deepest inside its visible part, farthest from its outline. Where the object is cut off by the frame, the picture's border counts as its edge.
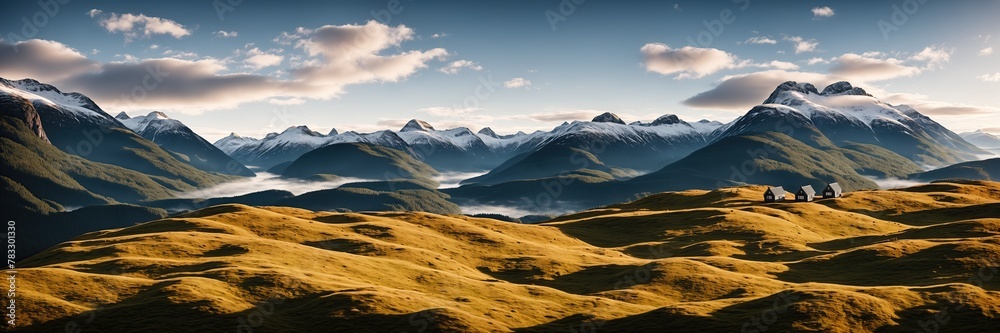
(613, 144)
(456, 149)
(982, 139)
(174, 136)
(232, 142)
(290, 144)
(74, 107)
(844, 113)
(459, 149)
(76, 125)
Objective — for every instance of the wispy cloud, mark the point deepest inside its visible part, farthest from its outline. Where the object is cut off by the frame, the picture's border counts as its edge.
(693, 62)
(458, 65)
(686, 62)
(759, 40)
(822, 12)
(517, 82)
(138, 25)
(225, 34)
(335, 56)
(257, 59)
(995, 77)
(802, 45)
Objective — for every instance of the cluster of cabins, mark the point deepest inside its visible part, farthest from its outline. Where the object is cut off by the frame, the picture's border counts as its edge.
(805, 193)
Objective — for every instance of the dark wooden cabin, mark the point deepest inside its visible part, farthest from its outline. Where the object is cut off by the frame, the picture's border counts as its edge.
(805, 194)
(774, 194)
(832, 190)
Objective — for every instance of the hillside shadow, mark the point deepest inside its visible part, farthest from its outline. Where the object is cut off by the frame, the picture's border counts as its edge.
(592, 279)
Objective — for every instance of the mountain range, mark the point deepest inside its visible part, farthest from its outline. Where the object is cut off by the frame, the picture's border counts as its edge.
(64, 152)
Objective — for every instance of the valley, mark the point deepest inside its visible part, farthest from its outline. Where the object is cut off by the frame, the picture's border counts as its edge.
(871, 261)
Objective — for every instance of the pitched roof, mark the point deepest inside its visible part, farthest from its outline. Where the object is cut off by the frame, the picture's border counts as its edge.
(777, 191)
(835, 187)
(808, 189)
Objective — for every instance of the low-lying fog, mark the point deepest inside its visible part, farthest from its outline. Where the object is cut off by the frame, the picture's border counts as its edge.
(266, 181)
(452, 179)
(893, 182)
(512, 211)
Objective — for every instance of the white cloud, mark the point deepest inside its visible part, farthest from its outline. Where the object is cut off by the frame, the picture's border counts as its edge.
(94, 12)
(350, 55)
(134, 26)
(285, 101)
(95, 52)
(877, 66)
(778, 65)
(337, 57)
(677, 7)
(692, 62)
(759, 40)
(803, 45)
(517, 82)
(986, 51)
(995, 77)
(258, 59)
(686, 62)
(817, 60)
(822, 12)
(225, 34)
(743, 91)
(41, 60)
(929, 107)
(458, 65)
(439, 35)
(859, 67)
(933, 56)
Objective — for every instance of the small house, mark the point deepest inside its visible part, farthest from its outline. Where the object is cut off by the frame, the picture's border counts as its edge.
(805, 194)
(774, 194)
(832, 190)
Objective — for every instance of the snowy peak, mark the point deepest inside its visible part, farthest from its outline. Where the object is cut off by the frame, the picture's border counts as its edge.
(843, 88)
(669, 119)
(608, 117)
(300, 130)
(157, 115)
(982, 139)
(71, 104)
(791, 86)
(417, 125)
(488, 132)
(333, 131)
(154, 122)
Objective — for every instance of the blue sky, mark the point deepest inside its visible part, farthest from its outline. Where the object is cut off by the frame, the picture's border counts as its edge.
(637, 59)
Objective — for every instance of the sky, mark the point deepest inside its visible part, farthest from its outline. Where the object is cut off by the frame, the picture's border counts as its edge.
(254, 67)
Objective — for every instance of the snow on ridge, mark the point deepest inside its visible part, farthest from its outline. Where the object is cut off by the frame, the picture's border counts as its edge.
(51, 98)
(463, 138)
(865, 109)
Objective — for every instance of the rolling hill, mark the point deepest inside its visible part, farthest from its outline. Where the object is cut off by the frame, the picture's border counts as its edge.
(973, 170)
(358, 160)
(871, 261)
